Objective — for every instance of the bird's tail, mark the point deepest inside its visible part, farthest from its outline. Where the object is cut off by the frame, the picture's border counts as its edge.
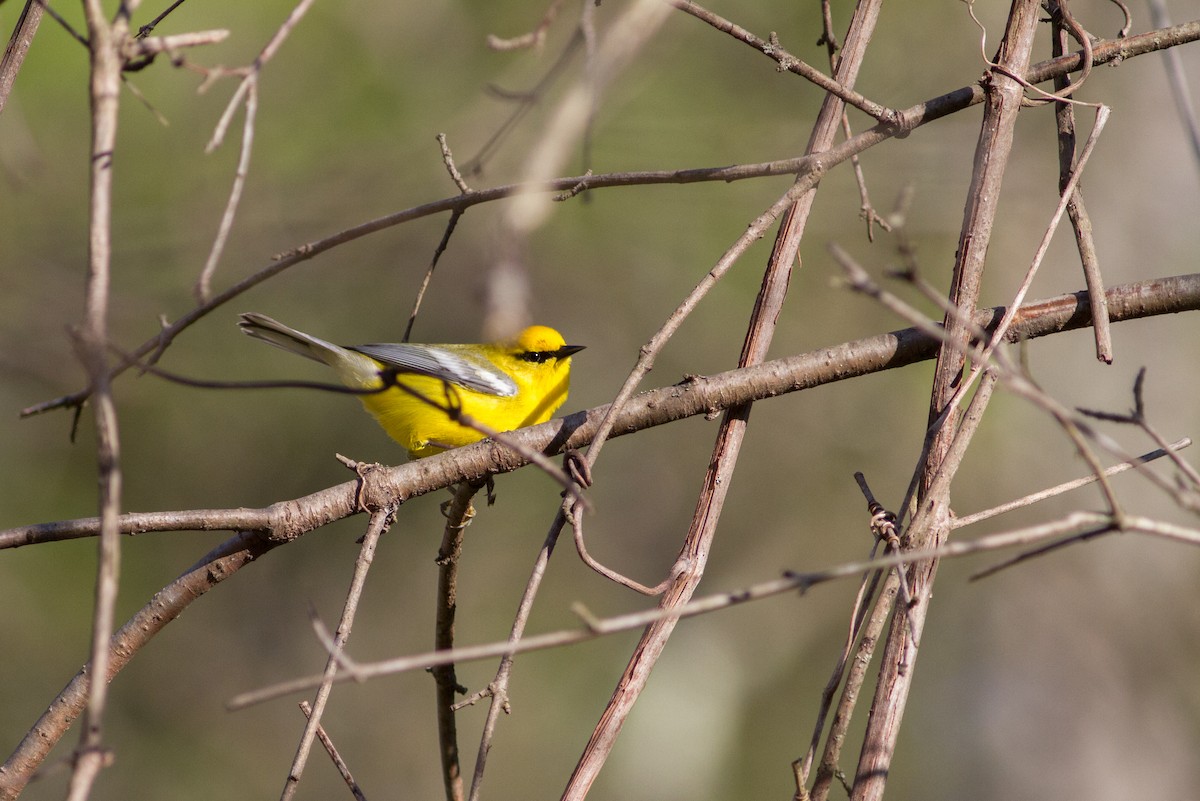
(276, 333)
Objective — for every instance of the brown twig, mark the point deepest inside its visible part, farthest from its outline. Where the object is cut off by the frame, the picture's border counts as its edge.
(105, 45)
(246, 92)
(168, 603)
(1081, 222)
(701, 395)
(948, 442)
(149, 27)
(451, 225)
(534, 38)
(380, 521)
(1038, 497)
(1138, 418)
(203, 288)
(789, 63)
(525, 102)
(18, 46)
(498, 688)
(791, 582)
(575, 517)
(911, 118)
(331, 749)
(458, 514)
(694, 552)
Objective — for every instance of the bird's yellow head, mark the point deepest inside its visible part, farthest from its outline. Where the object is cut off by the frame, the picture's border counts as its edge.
(540, 343)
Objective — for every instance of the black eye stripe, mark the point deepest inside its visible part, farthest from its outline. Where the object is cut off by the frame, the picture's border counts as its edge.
(537, 356)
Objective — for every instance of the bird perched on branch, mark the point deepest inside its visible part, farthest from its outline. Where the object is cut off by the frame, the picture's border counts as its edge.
(421, 394)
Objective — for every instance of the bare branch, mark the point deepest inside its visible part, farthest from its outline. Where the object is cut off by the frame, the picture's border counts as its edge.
(167, 604)
(814, 169)
(18, 47)
(458, 516)
(693, 396)
(330, 749)
(1073, 525)
(1037, 497)
(789, 63)
(380, 521)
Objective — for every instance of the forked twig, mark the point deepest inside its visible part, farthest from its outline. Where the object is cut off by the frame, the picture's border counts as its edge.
(247, 90)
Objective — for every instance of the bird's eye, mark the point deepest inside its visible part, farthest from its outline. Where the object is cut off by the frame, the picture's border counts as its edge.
(536, 356)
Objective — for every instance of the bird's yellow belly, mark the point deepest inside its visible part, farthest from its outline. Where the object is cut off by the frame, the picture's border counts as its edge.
(424, 430)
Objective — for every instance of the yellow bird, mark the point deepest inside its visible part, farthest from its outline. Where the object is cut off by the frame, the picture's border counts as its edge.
(503, 385)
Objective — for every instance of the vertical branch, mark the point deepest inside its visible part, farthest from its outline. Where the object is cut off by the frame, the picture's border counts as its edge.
(458, 516)
(1081, 221)
(105, 43)
(498, 689)
(930, 528)
(694, 554)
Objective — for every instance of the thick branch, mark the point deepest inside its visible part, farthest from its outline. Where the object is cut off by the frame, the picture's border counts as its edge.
(701, 395)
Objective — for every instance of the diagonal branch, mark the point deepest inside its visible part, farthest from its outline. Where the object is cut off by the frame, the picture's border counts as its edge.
(693, 555)
(18, 46)
(910, 119)
(693, 396)
(380, 521)
(952, 431)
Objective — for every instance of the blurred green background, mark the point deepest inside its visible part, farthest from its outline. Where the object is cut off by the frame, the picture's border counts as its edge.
(1069, 675)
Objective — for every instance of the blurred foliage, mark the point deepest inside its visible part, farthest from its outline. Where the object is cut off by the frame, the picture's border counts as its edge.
(1074, 674)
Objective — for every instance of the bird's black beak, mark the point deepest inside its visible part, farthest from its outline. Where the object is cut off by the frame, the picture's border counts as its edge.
(568, 350)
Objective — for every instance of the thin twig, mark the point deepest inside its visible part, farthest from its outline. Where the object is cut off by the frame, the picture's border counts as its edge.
(203, 288)
(497, 689)
(247, 89)
(448, 160)
(458, 514)
(18, 47)
(1081, 221)
(575, 517)
(149, 27)
(911, 118)
(380, 521)
(331, 749)
(789, 63)
(1177, 77)
(1067, 486)
(534, 38)
(791, 582)
(1139, 418)
(451, 224)
(525, 102)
